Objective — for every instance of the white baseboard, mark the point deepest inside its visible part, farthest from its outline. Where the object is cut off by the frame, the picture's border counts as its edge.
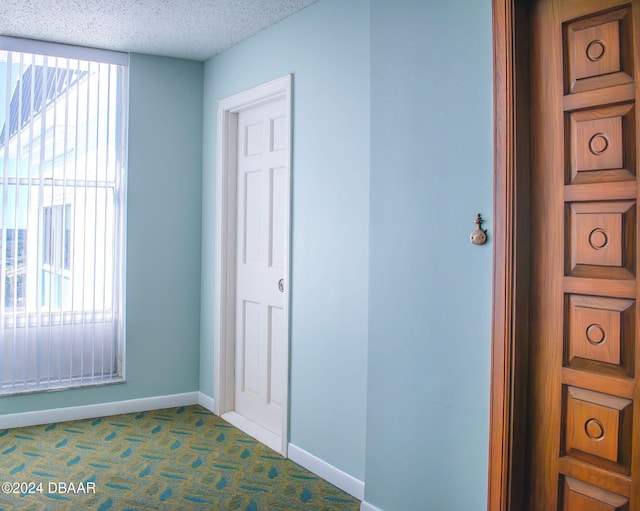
(321, 468)
(17, 420)
(365, 506)
(206, 401)
(328, 472)
(261, 434)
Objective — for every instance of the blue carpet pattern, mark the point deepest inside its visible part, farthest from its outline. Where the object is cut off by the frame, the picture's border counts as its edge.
(175, 459)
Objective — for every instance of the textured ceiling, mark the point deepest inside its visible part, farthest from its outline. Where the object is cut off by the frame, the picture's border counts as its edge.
(192, 29)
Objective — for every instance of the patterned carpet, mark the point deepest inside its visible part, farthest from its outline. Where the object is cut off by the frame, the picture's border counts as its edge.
(176, 459)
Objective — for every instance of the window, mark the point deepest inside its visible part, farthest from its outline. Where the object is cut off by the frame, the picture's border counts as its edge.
(56, 244)
(14, 291)
(56, 257)
(62, 215)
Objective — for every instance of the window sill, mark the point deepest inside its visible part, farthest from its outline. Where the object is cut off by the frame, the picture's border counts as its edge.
(57, 386)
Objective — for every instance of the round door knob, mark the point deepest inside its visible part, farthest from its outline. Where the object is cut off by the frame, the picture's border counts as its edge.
(281, 285)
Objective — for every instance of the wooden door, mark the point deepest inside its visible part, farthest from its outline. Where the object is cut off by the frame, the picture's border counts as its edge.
(584, 397)
(261, 371)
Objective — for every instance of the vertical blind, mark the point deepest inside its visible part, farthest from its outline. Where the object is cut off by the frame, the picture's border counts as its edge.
(62, 215)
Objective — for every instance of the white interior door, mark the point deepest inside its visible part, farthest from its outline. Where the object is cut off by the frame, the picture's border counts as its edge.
(261, 371)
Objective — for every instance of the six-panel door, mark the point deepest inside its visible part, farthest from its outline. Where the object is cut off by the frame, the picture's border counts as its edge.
(261, 338)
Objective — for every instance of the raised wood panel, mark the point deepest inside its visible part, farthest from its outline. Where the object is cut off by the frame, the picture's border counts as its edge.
(594, 333)
(601, 330)
(597, 238)
(595, 425)
(595, 51)
(597, 141)
(602, 239)
(601, 140)
(580, 496)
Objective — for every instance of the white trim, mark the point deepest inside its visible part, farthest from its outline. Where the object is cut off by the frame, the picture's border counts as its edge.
(328, 472)
(365, 506)
(18, 44)
(206, 401)
(255, 430)
(18, 420)
(224, 310)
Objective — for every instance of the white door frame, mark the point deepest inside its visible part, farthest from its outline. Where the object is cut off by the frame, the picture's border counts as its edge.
(225, 276)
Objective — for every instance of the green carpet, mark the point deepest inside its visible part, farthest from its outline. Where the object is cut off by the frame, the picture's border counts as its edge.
(176, 459)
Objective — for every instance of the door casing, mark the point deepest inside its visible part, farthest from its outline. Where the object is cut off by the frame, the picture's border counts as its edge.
(509, 342)
(225, 250)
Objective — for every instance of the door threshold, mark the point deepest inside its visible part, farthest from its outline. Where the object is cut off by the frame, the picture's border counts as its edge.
(261, 434)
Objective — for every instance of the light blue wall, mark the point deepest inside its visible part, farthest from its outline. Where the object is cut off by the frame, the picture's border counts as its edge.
(391, 161)
(164, 224)
(430, 289)
(326, 47)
